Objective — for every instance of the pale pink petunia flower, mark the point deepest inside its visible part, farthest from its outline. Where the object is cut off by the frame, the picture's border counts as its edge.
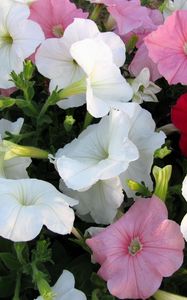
(55, 15)
(128, 15)
(155, 19)
(142, 60)
(167, 47)
(138, 250)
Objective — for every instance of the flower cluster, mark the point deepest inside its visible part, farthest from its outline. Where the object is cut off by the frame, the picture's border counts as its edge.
(80, 144)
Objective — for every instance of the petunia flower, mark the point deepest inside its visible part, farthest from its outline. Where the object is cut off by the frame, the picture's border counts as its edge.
(155, 19)
(100, 152)
(172, 5)
(142, 134)
(179, 119)
(14, 168)
(28, 204)
(19, 37)
(100, 203)
(167, 47)
(105, 87)
(143, 88)
(142, 60)
(138, 250)
(54, 59)
(184, 220)
(55, 15)
(129, 15)
(29, 2)
(64, 288)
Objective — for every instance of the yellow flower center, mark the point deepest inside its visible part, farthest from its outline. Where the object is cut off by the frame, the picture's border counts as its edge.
(185, 48)
(6, 39)
(58, 30)
(135, 246)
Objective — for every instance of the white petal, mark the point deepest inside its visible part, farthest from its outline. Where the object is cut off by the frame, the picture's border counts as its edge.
(95, 106)
(101, 201)
(95, 156)
(12, 127)
(184, 227)
(27, 37)
(28, 204)
(73, 101)
(88, 52)
(142, 134)
(15, 168)
(54, 61)
(107, 82)
(79, 30)
(117, 46)
(64, 288)
(184, 188)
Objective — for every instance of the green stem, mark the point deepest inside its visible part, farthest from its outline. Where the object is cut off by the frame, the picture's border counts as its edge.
(19, 247)
(30, 106)
(76, 233)
(17, 288)
(43, 110)
(88, 120)
(96, 12)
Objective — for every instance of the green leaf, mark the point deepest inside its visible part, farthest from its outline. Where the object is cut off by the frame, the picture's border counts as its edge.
(10, 261)
(95, 294)
(7, 285)
(97, 281)
(81, 267)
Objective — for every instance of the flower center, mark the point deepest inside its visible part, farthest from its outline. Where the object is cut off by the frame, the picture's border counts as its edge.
(6, 39)
(58, 30)
(185, 48)
(135, 246)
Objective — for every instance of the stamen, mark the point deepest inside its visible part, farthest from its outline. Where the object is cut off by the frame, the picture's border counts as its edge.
(135, 246)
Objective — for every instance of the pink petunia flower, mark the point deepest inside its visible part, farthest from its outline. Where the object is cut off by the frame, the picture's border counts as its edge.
(142, 60)
(55, 15)
(128, 15)
(138, 250)
(167, 47)
(155, 19)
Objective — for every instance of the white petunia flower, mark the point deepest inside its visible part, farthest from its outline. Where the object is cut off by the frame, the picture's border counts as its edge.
(55, 61)
(19, 38)
(172, 5)
(184, 220)
(106, 88)
(64, 288)
(28, 204)
(101, 152)
(14, 168)
(100, 202)
(143, 88)
(142, 134)
(25, 1)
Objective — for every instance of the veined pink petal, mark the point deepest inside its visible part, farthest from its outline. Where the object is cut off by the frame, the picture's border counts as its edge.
(54, 13)
(166, 47)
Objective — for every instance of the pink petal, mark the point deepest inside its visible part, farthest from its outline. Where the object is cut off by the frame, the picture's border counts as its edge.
(50, 13)
(163, 247)
(166, 47)
(142, 60)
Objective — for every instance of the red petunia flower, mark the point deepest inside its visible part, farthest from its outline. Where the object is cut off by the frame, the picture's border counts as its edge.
(179, 119)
